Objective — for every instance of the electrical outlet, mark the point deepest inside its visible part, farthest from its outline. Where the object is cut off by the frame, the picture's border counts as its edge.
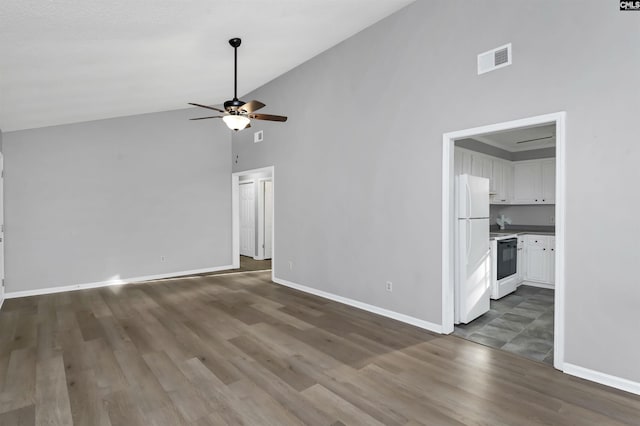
(389, 286)
(291, 265)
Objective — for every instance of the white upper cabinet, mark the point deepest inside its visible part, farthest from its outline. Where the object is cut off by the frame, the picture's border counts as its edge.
(498, 171)
(527, 183)
(549, 181)
(519, 182)
(502, 180)
(463, 160)
(534, 182)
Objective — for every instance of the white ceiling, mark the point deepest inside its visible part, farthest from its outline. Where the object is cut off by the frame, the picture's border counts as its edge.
(522, 139)
(65, 61)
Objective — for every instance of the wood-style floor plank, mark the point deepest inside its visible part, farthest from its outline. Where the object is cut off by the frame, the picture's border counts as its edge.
(240, 350)
(52, 396)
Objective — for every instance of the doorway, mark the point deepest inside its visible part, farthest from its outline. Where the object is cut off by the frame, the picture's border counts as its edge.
(482, 168)
(253, 217)
(1, 229)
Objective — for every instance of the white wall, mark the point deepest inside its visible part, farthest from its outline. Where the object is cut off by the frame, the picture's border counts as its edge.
(107, 199)
(525, 215)
(359, 161)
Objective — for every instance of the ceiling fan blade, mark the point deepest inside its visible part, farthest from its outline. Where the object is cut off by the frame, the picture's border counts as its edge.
(268, 117)
(208, 107)
(206, 118)
(251, 106)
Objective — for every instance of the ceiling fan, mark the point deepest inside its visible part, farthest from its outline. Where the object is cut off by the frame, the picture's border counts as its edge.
(238, 114)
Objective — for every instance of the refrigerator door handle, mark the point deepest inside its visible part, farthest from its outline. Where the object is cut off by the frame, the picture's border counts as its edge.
(469, 227)
(468, 203)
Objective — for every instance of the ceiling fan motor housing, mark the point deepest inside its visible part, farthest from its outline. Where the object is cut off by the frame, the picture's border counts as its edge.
(233, 105)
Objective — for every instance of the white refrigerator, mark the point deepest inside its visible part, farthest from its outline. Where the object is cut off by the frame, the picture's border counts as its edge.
(473, 251)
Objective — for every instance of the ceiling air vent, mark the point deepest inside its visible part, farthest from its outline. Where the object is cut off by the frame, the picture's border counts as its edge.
(494, 59)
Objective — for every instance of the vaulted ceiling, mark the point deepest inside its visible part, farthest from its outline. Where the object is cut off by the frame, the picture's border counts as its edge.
(65, 61)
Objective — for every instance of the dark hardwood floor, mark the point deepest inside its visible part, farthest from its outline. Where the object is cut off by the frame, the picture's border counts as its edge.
(238, 349)
(247, 264)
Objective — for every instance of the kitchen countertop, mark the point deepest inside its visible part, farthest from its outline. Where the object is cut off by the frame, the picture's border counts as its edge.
(507, 233)
(521, 230)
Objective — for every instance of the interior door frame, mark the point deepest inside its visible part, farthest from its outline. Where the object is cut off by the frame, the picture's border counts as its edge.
(2, 239)
(235, 215)
(448, 246)
(251, 182)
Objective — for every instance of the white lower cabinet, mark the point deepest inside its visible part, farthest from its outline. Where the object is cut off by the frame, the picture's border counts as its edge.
(539, 259)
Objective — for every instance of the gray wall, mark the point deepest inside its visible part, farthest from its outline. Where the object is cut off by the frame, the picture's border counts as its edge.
(525, 215)
(106, 199)
(358, 164)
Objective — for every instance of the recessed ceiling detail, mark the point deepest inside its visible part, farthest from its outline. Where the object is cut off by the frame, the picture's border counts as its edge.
(71, 61)
(522, 139)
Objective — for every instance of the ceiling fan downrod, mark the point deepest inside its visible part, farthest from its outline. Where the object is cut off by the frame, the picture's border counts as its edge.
(235, 103)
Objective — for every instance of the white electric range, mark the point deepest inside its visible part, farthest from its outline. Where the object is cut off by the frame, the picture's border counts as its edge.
(506, 263)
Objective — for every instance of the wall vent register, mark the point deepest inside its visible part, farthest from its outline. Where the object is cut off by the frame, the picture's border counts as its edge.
(494, 59)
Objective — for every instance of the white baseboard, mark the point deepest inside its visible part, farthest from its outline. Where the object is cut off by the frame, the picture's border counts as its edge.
(60, 289)
(602, 378)
(436, 328)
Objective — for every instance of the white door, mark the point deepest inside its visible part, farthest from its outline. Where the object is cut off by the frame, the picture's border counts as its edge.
(268, 219)
(247, 219)
(473, 281)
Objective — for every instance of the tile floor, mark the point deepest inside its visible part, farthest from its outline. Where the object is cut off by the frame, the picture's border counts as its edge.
(521, 322)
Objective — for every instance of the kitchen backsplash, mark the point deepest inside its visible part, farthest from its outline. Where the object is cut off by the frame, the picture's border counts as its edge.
(525, 215)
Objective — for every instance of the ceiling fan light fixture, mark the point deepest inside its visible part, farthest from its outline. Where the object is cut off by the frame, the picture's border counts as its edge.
(236, 122)
(236, 112)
